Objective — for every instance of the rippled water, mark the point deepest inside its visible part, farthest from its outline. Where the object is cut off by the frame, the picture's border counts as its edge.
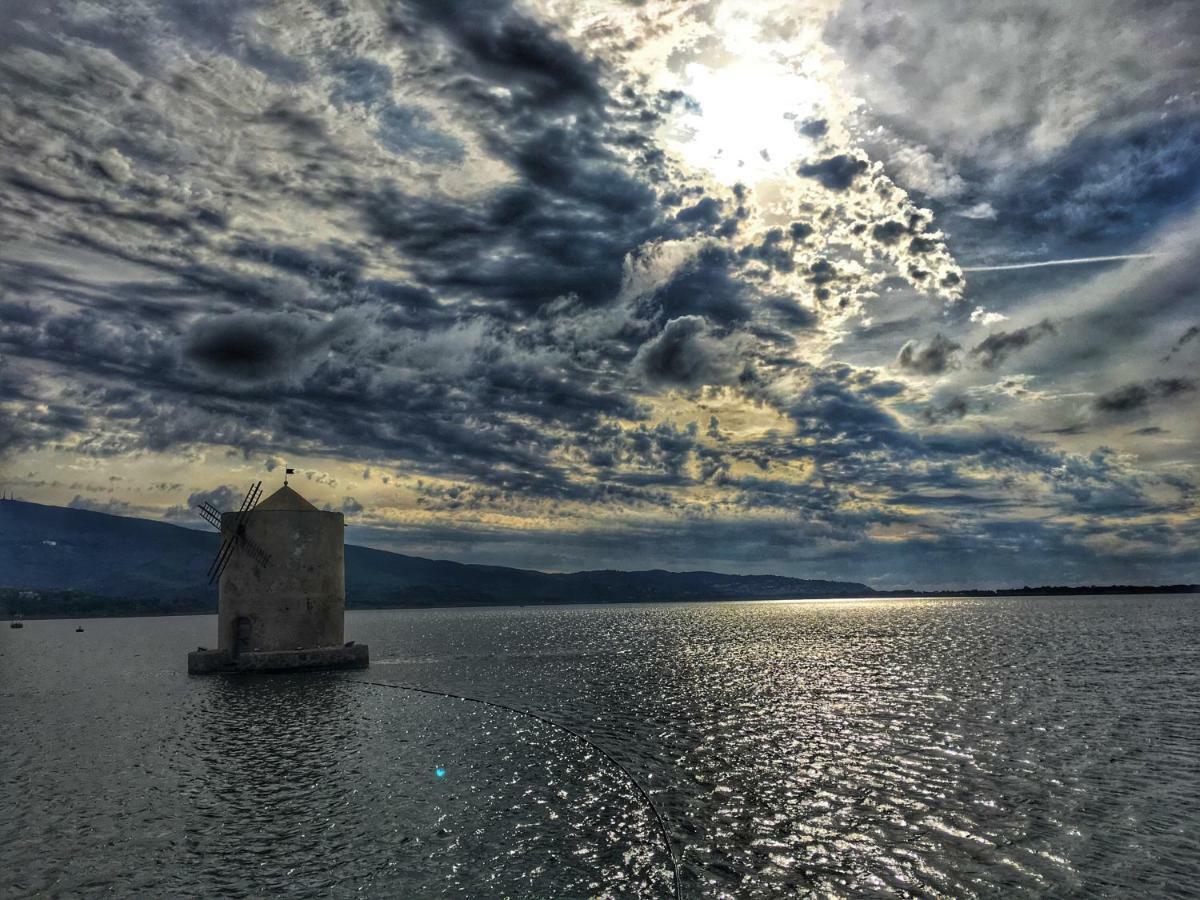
(956, 748)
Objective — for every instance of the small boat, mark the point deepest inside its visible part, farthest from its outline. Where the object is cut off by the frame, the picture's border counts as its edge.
(78, 628)
(16, 624)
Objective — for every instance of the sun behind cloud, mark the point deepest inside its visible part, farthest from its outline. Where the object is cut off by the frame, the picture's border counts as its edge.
(669, 284)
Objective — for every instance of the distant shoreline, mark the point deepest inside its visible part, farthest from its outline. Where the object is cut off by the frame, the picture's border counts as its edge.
(71, 563)
(12, 605)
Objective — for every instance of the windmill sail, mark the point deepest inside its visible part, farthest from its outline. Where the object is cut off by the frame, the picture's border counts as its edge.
(257, 553)
(235, 538)
(210, 514)
(221, 559)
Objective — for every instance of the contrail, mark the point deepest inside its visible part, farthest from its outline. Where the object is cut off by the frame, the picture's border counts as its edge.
(1077, 261)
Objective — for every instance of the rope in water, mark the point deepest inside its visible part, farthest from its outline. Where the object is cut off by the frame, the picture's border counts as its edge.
(662, 825)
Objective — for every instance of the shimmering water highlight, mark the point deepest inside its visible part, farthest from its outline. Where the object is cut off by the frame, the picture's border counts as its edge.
(953, 748)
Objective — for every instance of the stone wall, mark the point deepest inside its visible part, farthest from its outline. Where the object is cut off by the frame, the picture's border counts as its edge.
(298, 600)
(210, 662)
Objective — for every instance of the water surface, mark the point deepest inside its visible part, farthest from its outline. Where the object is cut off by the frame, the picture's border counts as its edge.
(944, 748)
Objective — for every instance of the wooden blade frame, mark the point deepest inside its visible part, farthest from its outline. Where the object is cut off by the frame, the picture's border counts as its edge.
(210, 514)
(236, 539)
(257, 553)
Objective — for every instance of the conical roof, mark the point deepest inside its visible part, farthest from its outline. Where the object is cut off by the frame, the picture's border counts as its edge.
(287, 499)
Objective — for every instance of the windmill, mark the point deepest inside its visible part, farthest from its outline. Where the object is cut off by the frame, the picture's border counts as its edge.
(282, 617)
(234, 533)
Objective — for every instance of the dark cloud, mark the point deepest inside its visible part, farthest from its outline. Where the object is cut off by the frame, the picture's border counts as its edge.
(565, 230)
(812, 128)
(249, 347)
(225, 498)
(889, 232)
(954, 408)
(799, 231)
(837, 172)
(22, 314)
(705, 212)
(841, 410)
(497, 43)
(685, 354)
(1184, 339)
(791, 314)
(1107, 185)
(934, 358)
(998, 346)
(822, 272)
(1137, 396)
(1073, 428)
(706, 286)
(474, 266)
(773, 250)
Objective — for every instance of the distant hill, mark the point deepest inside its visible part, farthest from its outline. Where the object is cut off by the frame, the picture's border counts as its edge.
(56, 561)
(60, 561)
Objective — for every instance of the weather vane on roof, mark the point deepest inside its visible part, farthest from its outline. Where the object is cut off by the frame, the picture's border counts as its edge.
(286, 473)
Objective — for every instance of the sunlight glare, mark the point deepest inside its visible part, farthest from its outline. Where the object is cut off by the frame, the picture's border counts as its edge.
(745, 129)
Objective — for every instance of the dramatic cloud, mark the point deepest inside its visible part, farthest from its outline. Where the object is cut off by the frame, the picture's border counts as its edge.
(253, 347)
(686, 354)
(1135, 397)
(225, 498)
(998, 346)
(954, 408)
(932, 359)
(837, 173)
(617, 284)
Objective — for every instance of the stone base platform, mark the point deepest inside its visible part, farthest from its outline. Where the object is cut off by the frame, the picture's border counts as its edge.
(206, 662)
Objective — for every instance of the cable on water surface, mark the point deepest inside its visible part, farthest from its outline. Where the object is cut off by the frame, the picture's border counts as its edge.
(658, 817)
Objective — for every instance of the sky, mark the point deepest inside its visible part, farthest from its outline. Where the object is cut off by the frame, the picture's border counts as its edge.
(900, 293)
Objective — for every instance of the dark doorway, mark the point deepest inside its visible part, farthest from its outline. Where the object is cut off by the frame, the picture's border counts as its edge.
(242, 637)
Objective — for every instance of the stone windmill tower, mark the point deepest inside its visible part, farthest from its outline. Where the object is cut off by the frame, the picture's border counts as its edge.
(282, 583)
